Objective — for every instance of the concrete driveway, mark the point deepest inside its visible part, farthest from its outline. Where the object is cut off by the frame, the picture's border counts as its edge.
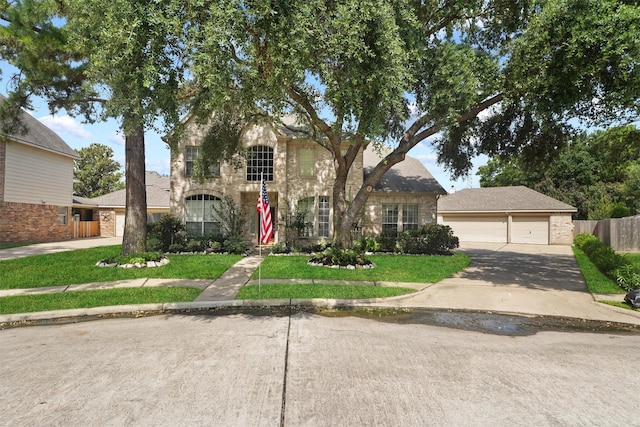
(516, 278)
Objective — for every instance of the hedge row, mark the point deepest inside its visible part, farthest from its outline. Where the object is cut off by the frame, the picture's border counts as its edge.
(614, 265)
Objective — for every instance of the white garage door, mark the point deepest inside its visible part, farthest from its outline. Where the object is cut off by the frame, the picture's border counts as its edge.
(478, 228)
(119, 225)
(528, 229)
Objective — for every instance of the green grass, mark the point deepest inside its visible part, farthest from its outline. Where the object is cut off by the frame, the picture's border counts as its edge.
(88, 299)
(389, 268)
(76, 267)
(13, 245)
(621, 305)
(596, 281)
(307, 291)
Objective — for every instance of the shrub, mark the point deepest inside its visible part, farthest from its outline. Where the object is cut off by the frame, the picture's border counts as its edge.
(583, 238)
(370, 244)
(387, 240)
(153, 243)
(140, 258)
(280, 248)
(429, 239)
(235, 245)
(628, 277)
(169, 230)
(605, 258)
(194, 245)
(341, 257)
(440, 238)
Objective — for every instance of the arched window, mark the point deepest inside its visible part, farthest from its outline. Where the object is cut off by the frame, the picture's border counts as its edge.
(201, 215)
(259, 163)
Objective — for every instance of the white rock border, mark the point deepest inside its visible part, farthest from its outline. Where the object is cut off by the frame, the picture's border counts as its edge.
(148, 264)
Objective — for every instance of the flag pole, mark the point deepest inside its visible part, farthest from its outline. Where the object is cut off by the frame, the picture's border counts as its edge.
(260, 237)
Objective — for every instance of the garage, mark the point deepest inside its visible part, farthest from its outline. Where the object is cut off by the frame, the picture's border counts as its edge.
(506, 215)
(489, 228)
(530, 229)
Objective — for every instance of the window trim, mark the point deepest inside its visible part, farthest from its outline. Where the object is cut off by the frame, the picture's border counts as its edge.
(254, 170)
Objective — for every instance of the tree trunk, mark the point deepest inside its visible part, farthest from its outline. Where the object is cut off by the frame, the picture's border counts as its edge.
(135, 224)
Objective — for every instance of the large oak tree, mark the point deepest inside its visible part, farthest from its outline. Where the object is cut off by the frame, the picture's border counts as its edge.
(397, 72)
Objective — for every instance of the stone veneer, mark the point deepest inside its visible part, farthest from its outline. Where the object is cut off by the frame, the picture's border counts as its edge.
(24, 222)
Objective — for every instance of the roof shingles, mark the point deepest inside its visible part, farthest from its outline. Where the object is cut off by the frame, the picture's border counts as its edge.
(501, 199)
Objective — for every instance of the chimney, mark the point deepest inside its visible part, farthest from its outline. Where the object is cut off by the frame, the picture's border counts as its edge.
(453, 190)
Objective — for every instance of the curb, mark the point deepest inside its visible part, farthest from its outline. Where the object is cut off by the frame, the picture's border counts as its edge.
(240, 306)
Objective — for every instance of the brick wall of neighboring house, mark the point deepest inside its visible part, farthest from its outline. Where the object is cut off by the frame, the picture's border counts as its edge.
(107, 218)
(3, 156)
(23, 222)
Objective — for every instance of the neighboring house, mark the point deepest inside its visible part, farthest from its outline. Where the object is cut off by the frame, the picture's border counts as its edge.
(299, 175)
(36, 184)
(111, 207)
(507, 215)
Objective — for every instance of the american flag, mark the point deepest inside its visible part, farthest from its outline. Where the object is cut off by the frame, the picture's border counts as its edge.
(266, 225)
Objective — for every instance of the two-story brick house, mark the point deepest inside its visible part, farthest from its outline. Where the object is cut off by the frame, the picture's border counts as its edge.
(36, 184)
(299, 173)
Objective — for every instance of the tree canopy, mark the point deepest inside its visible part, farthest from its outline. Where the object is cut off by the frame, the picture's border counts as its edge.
(597, 173)
(96, 173)
(116, 59)
(499, 77)
(398, 72)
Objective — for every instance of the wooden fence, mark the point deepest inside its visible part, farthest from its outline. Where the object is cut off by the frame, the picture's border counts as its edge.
(622, 234)
(81, 229)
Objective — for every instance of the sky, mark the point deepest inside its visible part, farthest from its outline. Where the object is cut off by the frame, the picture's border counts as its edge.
(79, 135)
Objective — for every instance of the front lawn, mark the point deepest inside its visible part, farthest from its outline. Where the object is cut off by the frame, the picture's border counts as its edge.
(76, 267)
(99, 298)
(309, 291)
(389, 268)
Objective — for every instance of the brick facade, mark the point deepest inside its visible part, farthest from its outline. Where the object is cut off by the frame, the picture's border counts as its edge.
(107, 218)
(23, 222)
(3, 157)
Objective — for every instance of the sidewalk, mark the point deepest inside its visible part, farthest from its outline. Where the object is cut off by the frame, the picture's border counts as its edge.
(488, 285)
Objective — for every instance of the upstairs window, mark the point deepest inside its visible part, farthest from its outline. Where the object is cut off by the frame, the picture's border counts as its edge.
(260, 163)
(306, 162)
(191, 155)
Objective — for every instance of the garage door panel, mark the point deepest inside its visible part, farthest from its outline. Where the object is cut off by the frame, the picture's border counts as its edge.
(528, 229)
(478, 229)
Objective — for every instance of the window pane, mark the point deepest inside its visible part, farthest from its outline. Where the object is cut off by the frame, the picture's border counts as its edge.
(62, 215)
(259, 163)
(323, 216)
(200, 214)
(306, 206)
(410, 217)
(306, 162)
(191, 153)
(389, 217)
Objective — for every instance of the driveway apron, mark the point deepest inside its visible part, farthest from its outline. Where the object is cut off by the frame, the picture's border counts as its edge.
(513, 278)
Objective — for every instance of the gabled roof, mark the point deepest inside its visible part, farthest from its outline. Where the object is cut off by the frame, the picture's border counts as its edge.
(40, 136)
(158, 187)
(408, 176)
(501, 199)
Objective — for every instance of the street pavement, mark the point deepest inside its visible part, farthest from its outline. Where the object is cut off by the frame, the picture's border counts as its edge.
(531, 280)
(310, 370)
